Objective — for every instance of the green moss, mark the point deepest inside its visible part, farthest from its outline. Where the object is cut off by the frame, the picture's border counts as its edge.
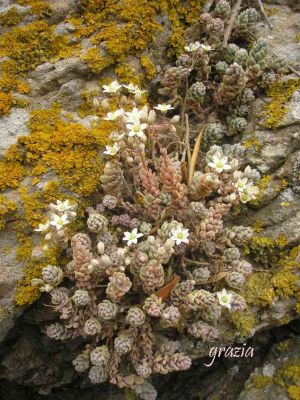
(298, 38)
(280, 93)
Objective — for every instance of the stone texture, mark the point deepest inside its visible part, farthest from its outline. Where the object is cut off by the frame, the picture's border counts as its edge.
(12, 126)
(278, 360)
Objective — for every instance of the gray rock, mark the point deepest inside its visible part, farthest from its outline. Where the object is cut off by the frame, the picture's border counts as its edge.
(64, 28)
(49, 77)
(277, 360)
(282, 39)
(12, 126)
(293, 115)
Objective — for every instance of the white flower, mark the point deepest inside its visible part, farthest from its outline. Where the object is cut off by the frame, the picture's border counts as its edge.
(113, 87)
(249, 193)
(134, 116)
(112, 116)
(134, 89)
(219, 164)
(132, 237)
(164, 107)
(180, 235)
(112, 150)
(58, 221)
(240, 184)
(192, 47)
(63, 206)
(43, 227)
(225, 299)
(136, 129)
(206, 47)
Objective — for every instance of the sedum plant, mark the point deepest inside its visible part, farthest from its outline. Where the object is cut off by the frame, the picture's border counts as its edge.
(158, 264)
(155, 249)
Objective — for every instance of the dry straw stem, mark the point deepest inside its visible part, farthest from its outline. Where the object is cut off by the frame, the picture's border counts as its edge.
(234, 14)
(195, 154)
(264, 14)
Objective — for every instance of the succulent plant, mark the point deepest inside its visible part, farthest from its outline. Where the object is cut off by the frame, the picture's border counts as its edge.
(159, 235)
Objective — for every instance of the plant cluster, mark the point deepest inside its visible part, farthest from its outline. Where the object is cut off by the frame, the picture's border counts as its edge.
(216, 82)
(159, 264)
(156, 248)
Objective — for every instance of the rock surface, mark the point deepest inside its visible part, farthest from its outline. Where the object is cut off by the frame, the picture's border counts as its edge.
(277, 156)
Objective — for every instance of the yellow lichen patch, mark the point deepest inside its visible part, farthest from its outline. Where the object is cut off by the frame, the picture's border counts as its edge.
(258, 290)
(95, 61)
(252, 143)
(258, 226)
(289, 377)
(259, 381)
(11, 17)
(54, 144)
(127, 28)
(149, 66)
(24, 48)
(7, 207)
(280, 93)
(39, 8)
(69, 149)
(11, 174)
(244, 322)
(265, 250)
(271, 11)
(6, 102)
(262, 186)
(298, 38)
(285, 345)
(285, 281)
(128, 74)
(294, 392)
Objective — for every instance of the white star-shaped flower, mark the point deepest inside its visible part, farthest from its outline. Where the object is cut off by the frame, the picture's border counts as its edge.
(240, 184)
(134, 115)
(249, 193)
(219, 164)
(136, 129)
(113, 87)
(112, 116)
(134, 89)
(63, 206)
(225, 299)
(180, 235)
(58, 221)
(192, 47)
(112, 150)
(43, 227)
(132, 237)
(206, 47)
(164, 107)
